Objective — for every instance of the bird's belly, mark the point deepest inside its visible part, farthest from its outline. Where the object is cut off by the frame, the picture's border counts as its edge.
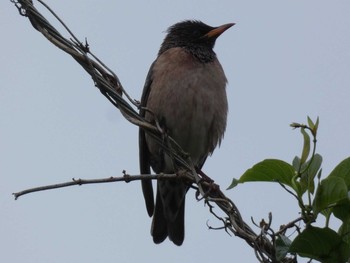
(190, 102)
(195, 120)
(190, 127)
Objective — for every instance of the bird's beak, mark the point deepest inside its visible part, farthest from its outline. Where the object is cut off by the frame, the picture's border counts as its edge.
(217, 31)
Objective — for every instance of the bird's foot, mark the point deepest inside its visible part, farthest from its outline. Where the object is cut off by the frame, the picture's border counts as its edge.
(204, 177)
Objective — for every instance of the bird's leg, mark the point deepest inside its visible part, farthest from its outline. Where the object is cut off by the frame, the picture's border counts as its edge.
(205, 177)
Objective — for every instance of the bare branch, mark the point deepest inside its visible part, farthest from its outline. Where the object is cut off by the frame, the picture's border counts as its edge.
(125, 178)
(291, 224)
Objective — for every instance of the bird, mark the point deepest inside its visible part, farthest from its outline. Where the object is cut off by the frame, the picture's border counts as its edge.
(185, 94)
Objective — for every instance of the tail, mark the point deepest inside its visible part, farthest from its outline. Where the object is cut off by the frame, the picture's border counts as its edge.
(162, 227)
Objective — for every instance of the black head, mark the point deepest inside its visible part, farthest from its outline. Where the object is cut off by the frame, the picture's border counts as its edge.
(195, 36)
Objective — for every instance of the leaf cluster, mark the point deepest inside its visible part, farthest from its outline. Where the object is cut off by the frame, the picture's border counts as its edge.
(328, 197)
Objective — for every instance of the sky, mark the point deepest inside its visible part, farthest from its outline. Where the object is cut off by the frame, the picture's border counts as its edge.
(284, 61)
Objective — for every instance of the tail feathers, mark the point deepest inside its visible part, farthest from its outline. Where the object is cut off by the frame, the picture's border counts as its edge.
(162, 228)
(159, 229)
(176, 229)
(147, 190)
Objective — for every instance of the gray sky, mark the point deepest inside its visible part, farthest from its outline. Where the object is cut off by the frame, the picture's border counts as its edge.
(284, 60)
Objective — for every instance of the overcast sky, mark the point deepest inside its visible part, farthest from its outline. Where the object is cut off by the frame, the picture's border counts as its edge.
(284, 60)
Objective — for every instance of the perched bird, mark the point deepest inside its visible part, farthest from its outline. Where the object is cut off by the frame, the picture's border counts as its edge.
(185, 91)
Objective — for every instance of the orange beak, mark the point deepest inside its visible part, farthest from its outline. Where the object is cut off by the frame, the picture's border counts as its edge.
(216, 32)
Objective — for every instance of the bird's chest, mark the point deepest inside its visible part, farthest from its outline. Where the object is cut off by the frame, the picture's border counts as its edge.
(184, 97)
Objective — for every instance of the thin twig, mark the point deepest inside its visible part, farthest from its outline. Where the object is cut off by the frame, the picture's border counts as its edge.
(126, 178)
(291, 224)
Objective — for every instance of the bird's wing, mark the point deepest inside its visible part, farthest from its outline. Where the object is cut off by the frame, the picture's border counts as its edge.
(144, 154)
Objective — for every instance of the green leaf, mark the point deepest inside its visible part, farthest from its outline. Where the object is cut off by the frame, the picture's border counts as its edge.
(309, 172)
(322, 244)
(296, 163)
(319, 174)
(329, 192)
(342, 210)
(269, 170)
(304, 181)
(310, 122)
(282, 247)
(315, 128)
(342, 170)
(314, 167)
(233, 184)
(306, 148)
(344, 232)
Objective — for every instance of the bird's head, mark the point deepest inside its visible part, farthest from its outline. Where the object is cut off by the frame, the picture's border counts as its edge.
(192, 35)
